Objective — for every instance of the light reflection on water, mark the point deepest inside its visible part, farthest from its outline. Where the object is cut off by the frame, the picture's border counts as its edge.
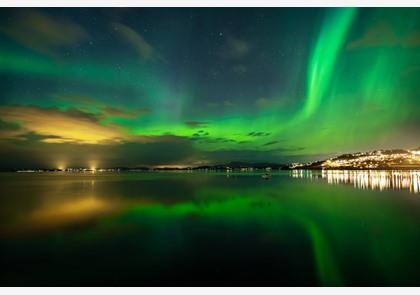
(179, 228)
(366, 179)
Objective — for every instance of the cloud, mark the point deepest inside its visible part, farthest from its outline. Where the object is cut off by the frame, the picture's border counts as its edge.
(270, 143)
(35, 152)
(277, 155)
(263, 102)
(200, 135)
(50, 148)
(123, 113)
(258, 133)
(32, 136)
(229, 103)
(76, 98)
(86, 102)
(42, 33)
(9, 129)
(235, 48)
(196, 124)
(382, 34)
(59, 126)
(203, 137)
(135, 39)
(8, 125)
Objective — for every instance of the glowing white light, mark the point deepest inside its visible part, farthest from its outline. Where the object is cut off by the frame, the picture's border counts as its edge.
(367, 179)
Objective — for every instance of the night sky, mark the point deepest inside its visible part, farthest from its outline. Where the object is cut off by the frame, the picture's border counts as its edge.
(186, 86)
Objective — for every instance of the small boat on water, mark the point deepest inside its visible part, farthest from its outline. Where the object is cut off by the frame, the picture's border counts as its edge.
(266, 176)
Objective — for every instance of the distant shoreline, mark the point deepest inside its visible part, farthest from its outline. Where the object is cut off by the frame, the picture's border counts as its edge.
(396, 159)
(235, 171)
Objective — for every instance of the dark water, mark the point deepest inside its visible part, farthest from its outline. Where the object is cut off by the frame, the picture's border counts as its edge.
(299, 229)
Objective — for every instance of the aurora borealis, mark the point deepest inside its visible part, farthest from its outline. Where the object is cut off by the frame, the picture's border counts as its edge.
(192, 86)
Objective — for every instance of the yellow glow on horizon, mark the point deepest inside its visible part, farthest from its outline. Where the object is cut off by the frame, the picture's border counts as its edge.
(61, 166)
(172, 166)
(93, 165)
(64, 127)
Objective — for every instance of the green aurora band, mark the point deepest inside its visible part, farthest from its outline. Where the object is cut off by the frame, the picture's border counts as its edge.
(322, 63)
(360, 92)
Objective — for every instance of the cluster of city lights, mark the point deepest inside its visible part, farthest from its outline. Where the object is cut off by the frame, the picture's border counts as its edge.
(395, 159)
(72, 170)
(366, 179)
(375, 159)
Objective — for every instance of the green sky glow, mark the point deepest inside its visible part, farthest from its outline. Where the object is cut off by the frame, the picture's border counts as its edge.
(342, 80)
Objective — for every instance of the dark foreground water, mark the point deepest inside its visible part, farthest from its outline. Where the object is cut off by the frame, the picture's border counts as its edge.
(299, 229)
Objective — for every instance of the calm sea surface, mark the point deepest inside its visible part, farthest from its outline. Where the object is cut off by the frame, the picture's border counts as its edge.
(299, 228)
